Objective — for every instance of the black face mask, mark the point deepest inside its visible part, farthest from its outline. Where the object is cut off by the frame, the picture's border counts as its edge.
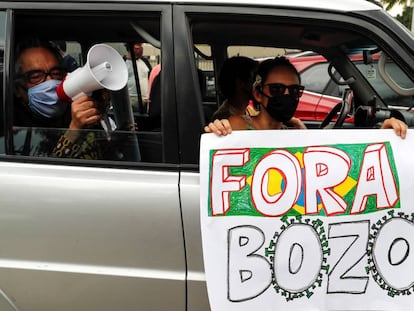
(282, 108)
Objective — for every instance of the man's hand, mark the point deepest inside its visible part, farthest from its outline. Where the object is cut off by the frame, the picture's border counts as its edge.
(84, 113)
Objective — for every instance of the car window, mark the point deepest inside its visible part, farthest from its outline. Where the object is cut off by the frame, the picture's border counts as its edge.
(205, 68)
(74, 49)
(312, 67)
(129, 129)
(206, 75)
(255, 52)
(141, 80)
(371, 72)
(315, 78)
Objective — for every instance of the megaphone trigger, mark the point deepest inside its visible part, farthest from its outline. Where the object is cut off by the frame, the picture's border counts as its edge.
(104, 68)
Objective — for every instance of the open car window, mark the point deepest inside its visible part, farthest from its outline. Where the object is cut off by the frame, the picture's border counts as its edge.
(318, 47)
(130, 129)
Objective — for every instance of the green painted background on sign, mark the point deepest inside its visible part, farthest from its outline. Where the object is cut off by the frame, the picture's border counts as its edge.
(241, 201)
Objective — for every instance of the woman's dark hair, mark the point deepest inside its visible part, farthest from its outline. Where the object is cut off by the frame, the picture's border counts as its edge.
(236, 67)
(268, 65)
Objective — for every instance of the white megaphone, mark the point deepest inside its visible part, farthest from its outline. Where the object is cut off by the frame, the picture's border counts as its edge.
(104, 69)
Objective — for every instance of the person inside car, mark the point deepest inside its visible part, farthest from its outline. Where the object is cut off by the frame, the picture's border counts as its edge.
(144, 68)
(235, 84)
(68, 61)
(38, 74)
(277, 91)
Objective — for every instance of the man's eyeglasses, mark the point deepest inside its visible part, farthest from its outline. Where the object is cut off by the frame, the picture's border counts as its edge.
(37, 76)
(278, 89)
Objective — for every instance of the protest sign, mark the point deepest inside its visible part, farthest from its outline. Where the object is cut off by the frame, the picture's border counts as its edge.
(308, 220)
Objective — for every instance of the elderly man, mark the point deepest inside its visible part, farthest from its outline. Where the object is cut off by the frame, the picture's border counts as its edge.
(38, 74)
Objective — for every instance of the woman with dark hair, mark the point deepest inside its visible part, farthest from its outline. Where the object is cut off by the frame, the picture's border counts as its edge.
(276, 91)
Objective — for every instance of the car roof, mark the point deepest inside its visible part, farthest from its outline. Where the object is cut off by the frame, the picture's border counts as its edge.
(292, 31)
(339, 6)
(346, 5)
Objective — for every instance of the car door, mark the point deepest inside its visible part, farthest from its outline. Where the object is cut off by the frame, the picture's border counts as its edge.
(328, 33)
(78, 234)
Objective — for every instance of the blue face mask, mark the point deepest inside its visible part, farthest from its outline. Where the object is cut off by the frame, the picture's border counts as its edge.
(43, 99)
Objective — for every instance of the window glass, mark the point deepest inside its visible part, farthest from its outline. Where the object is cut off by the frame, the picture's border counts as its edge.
(74, 49)
(113, 123)
(388, 95)
(95, 144)
(366, 61)
(205, 70)
(141, 76)
(206, 78)
(315, 78)
(255, 52)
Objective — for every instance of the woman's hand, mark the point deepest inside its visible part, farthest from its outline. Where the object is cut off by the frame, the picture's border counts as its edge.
(400, 128)
(219, 127)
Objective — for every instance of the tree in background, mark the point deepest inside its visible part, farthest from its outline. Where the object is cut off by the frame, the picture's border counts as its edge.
(406, 15)
(390, 3)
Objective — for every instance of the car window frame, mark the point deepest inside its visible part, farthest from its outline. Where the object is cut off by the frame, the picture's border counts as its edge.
(366, 21)
(169, 121)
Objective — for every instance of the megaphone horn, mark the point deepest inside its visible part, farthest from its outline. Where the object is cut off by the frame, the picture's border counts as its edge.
(104, 68)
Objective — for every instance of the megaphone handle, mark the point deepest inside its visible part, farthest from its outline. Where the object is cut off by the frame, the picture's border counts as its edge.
(106, 126)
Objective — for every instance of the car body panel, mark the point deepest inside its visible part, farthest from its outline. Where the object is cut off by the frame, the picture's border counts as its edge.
(60, 240)
(190, 200)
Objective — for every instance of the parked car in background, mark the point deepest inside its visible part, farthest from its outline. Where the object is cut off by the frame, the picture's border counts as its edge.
(124, 234)
(321, 93)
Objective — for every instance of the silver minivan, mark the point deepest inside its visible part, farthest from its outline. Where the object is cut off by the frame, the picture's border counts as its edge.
(123, 232)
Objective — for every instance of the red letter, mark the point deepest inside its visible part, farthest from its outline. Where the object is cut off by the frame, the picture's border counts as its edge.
(325, 168)
(375, 178)
(221, 183)
(279, 203)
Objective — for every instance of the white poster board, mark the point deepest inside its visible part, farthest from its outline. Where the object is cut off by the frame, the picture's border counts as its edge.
(308, 220)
